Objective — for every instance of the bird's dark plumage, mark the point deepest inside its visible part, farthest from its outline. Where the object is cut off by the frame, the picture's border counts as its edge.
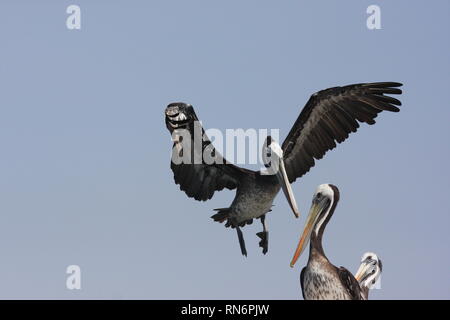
(329, 117)
(350, 283)
(199, 180)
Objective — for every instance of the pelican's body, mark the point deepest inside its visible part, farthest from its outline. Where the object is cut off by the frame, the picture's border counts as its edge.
(327, 119)
(253, 198)
(320, 279)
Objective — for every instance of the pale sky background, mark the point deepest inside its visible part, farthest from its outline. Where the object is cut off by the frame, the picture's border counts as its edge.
(84, 163)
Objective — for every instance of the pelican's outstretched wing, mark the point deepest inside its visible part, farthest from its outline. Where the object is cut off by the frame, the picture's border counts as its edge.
(330, 116)
(200, 177)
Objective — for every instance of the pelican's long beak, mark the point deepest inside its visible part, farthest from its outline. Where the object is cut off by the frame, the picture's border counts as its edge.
(286, 186)
(363, 270)
(314, 212)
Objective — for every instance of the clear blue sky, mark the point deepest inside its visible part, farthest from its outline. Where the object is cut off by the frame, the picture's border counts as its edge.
(84, 165)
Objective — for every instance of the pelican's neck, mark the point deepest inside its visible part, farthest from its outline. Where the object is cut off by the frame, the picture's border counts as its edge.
(315, 244)
(317, 233)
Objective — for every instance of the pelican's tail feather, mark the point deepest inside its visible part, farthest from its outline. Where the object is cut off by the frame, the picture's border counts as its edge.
(221, 215)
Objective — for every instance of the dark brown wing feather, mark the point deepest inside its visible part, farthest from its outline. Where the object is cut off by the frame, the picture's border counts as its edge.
(329, 117)
(350, 283)
(302, 276)
(199, 180)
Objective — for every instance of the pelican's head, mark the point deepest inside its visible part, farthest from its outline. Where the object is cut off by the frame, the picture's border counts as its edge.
(272, 156)
(369, 271)
(325, 197)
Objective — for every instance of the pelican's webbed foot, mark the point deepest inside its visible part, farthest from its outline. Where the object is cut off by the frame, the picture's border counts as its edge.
(264, 236)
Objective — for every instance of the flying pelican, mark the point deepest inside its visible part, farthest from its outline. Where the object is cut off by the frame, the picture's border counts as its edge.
(320, 279)
(368, 273)
(328, 118)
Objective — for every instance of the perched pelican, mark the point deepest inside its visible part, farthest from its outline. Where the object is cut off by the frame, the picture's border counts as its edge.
(320, 279)
(328, 118)
(368, 273)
